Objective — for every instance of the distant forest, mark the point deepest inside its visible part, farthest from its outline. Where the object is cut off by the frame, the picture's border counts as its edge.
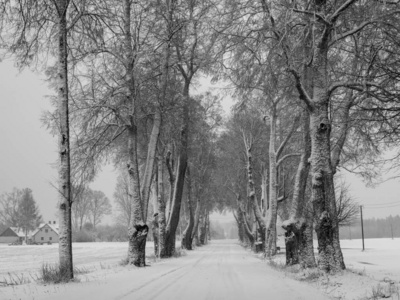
(373, 228)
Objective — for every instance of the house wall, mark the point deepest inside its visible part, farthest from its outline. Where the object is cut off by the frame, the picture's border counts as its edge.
(8, 236)
(44, 237)
(8, 239)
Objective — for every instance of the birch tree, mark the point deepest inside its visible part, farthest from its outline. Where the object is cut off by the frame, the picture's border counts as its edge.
(30, 31)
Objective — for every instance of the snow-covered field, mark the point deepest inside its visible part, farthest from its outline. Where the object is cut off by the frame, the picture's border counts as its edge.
(376, 268)
(28, 259)
(380, 260)
(379, 265)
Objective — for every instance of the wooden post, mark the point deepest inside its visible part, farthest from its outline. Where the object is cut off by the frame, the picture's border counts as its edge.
(362, 228)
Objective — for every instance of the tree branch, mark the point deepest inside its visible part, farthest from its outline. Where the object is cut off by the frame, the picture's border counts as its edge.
(302, 91)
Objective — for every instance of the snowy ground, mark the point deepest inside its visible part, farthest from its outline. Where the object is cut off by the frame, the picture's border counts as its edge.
(220, 270)
(377, 268)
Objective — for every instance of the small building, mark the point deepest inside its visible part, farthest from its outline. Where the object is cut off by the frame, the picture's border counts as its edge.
(12, 235)
(45, 233)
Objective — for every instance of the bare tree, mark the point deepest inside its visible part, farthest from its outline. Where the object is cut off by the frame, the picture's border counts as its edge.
(99, 206)
(347, 207)
(9, 207)
(80, 209)
(121, 199)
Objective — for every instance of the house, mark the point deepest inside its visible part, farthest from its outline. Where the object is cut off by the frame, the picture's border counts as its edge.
(45, 233)
(12, 235)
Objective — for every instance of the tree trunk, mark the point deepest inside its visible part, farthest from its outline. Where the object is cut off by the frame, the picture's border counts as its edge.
(187, 234)
(64, 171)
(173, 219)
(270, 246)
(203, 229)
(248, 234)
(323, 192)
(195, 230)
(137, 231)
(157, 121)
(151, 153)
(154, 223)
(161, 208)
(299, 230)
(252, 195)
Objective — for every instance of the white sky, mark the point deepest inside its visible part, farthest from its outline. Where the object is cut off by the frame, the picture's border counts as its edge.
(28, 150)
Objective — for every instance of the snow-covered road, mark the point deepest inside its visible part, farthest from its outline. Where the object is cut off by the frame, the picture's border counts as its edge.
(221, 270)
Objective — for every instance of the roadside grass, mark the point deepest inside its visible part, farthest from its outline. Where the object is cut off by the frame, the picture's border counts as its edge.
(15, 279)
(387, 291)
(52, 273)
(297, 271)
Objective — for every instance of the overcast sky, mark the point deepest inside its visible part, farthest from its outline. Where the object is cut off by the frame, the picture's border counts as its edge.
(28, 151)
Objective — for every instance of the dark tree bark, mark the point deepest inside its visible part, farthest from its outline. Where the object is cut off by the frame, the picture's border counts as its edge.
(161, 208)
(173, 220)
(187, 234)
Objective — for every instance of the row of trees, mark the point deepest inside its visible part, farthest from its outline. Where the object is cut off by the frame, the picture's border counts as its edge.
(120, 70)
(314, 93)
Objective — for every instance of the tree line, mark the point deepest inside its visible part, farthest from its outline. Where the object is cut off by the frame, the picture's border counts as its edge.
(18, 209)
(315, 87)
(388, 227)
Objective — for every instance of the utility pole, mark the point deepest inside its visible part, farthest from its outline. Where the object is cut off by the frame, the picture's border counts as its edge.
(391, 229)
(362, 228)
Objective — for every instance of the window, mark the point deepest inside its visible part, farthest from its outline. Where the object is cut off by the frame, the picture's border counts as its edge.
(42, 238)
(46, 230)
(50, 238)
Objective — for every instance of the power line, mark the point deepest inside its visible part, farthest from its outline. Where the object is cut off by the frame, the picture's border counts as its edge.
(379, 204)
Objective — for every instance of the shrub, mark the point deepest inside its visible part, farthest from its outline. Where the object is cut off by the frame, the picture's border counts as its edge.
(83, 236)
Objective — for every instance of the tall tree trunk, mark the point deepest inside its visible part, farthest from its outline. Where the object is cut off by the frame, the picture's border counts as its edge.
(203, 229)
(173, 219)
(161, 208)
(154, 223)
(252, 193)
(137, 231)
(195, 230)
(187, 234)
(323, 191)
(247, 228)
(157, 118)
(299, 230)
(64, 171)
(151, 154)
(170, 162)
(270, 246)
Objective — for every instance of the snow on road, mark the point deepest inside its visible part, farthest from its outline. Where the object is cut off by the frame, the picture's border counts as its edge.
(221, 270)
